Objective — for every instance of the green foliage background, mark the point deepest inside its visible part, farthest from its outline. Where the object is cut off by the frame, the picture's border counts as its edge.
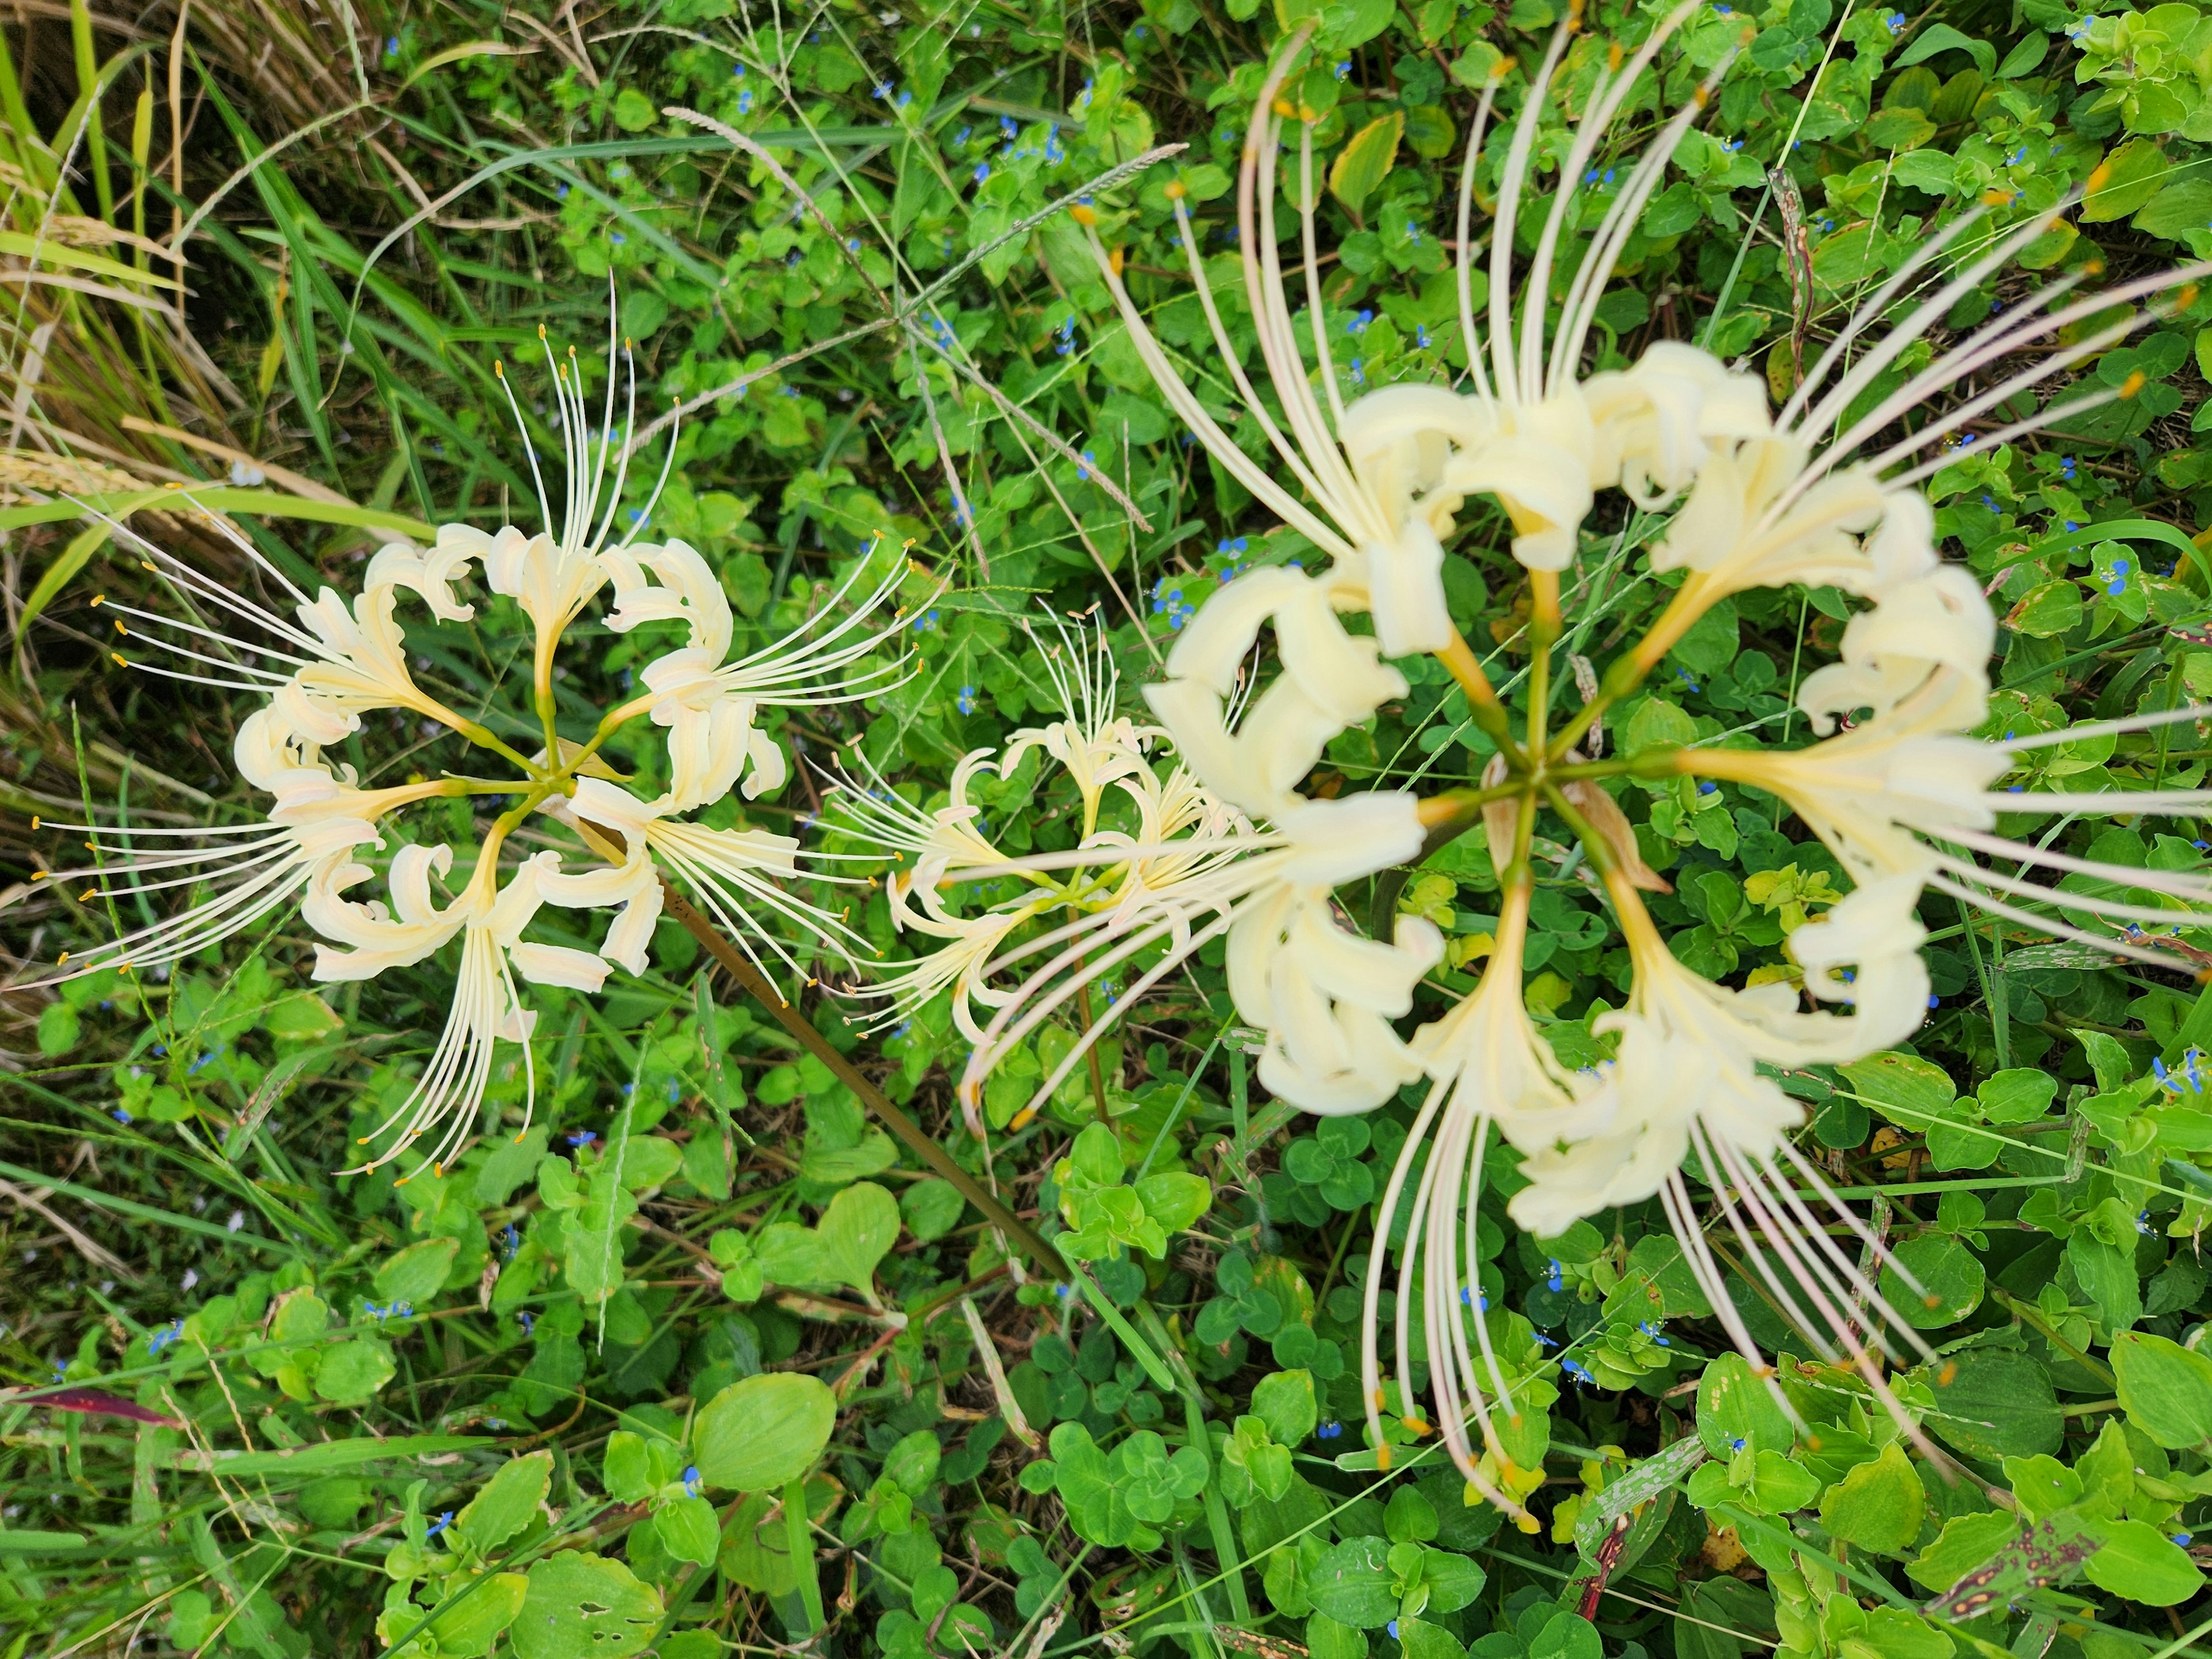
(476, 1409)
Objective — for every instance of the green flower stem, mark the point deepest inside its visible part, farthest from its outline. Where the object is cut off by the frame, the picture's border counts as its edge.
(1483, 706)
(924, 1147)
(1217, 1512)
(801, 1539)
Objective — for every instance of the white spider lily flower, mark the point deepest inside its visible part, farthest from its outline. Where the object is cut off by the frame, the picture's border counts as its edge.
(486, 1009)
(1323, 996)
(1490, 1067)
(254, 870)
(1390, 471)
(1096, 746)
(709, 705)
(1331, 680)
(1908, 792)
(737, 875)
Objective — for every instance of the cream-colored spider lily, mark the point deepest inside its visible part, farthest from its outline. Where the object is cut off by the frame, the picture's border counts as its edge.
(1331, 680)
(710, 704)
(1323, 996)
(339, 663)
(1907, 793)
(1389, 472)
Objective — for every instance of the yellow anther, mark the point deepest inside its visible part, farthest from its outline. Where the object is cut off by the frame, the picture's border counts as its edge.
(1701, 97)
(2186, 297)
(1083, 215)
(35, 820)
(498, 368)
(1177, 190)
(147, 564)
(119, 628)
(99, 598)
(89, 893)
(58, 960)
(1383, 1456)
(2128, 387)
(1613, 58)
(1283, 108)
(40, 875)
(119, 663)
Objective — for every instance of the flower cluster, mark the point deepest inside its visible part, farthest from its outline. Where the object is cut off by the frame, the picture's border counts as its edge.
(329, 664)
(1818, 494)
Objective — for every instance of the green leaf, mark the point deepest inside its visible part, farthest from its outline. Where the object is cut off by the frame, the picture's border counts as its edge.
(417, 1272)
(857, 1231)
(352, 1372)
(1942, 37)
(1285, 1401)
(2140, 1563)
(1645, 1480)
(1965, 1542)
(2164, 1388)
(1735, 1404)
(1351, 1584)
(57, 575)
(581, 1605)
(1998, 1403)
(1326, 1638)
(489, 1606)
(1420, 1639)
(507, 1503)
(2124, 181)
(1366, 160)
(1658, 723)
(763, 1431)
(931, 1208)
(626, 1467)
(1951, 1278)
(689, 1529)
(2017, 1095)
(1878, 1505)
(1175, 1200)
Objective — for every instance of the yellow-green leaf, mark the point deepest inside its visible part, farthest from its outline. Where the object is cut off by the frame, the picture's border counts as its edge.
(61, 256)
(57, 575)
(1366, 160)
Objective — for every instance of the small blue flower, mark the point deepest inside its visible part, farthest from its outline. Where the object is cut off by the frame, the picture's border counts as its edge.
(1688, 679)
(737, 71)
(745, 101)
(527, 1320)
(1089, 460)
(965, 702)
(1575, 1369)
(1394, 1630)
(391, 46)
(2119, 584)
(509, 1240)
(1895, 19)
(2182, 1539)
(1344, 70)
(2071, 525)
(1358, 323)
(1933, 1001)
(1557, 1281)
(1736, 1444)
(1421, 335)
(119, 1115)
(1545, 1341)
(438, 1526)
(1329, 1431)
(582, 1137)
(1708, 789)
(982, 170)
(691, 1481)
(161, 1338)
(616, 238)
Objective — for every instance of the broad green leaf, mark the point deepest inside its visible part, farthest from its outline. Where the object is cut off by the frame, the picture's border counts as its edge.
(507, 1503)
(2138, 1561)
(1327, 1638)
(1998, 1403)
(581, 1605)
(857, 1231)
(1366, 160)
(931, 1208)
(417, 1272)
(1285, 1401)
(352, 1372)
(1950, 1276)
(763, 1431)
(2166, 1389)
(626, 1467)
(687, 1528)
(1351, 1584)
(1737, 1407)
(2127, 179)
(489, 1606)
(1878, 1505)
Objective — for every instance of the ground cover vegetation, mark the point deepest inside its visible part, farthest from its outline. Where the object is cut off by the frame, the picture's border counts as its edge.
(793, 1285)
